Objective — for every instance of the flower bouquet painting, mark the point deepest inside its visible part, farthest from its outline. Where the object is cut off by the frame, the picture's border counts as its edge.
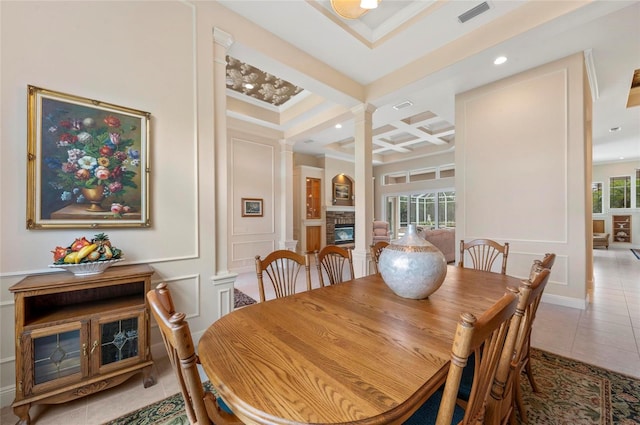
(88, 163)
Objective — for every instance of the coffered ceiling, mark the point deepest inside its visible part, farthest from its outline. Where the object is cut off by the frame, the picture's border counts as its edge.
(408, 60)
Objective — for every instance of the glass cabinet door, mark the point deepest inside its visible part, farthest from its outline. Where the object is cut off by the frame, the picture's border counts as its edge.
(117, 339)
(313, 197)
(58, 353)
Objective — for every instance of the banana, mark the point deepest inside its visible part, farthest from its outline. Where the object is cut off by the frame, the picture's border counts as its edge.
(70, 258)
(86, 250)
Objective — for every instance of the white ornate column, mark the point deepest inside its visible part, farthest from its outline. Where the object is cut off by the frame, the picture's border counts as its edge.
(364, 187)
(223, 280)
(286, 196)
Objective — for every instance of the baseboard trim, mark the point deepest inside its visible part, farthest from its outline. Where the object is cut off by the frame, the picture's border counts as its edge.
(565, 301)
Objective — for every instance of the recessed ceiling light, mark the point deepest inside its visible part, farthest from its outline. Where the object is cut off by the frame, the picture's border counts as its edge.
(622, 157)
(248, 86)
(338, 125)
(614, 129)
(499, 60)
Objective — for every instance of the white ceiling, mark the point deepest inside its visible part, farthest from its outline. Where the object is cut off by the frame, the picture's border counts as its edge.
(418, 51)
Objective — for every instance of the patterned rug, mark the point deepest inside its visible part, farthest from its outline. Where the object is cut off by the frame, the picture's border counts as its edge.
(240, 299)
(572, 393)
(636, 252)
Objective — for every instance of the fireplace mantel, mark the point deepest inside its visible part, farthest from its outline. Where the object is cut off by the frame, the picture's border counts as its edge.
(341, 208)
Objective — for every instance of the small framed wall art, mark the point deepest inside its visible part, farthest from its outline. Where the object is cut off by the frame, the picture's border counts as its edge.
(88, 163)
(252, 207)
(341, 191)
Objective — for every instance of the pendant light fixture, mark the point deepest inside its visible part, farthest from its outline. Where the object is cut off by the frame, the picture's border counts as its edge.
(368, 4)
(353, 9)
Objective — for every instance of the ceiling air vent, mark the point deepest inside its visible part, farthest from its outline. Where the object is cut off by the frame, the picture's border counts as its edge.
(403, 105)
(472, 13)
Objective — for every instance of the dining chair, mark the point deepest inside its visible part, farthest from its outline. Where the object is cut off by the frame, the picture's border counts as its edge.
(376, 250)
(487, 338)
(506, 392)
(483, 253)
(282, 267)
(522, 358)
(202, 407)
(538, 265)
(332, 262)
(547, 261)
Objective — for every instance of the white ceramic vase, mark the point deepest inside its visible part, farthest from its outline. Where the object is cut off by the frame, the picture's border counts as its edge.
(411, 266)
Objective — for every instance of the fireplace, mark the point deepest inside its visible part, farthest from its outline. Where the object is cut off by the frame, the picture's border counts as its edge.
(343, 234)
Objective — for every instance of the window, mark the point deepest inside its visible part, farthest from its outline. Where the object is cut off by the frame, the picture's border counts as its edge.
(448, 171)
(430, 210)
(620, 192)
(395, 179)
(446, 209)
(638, 188)
(421, 175)
(596, 193)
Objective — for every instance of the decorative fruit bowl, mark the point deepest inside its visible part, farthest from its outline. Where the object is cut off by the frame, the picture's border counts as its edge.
(86, 257)
(86, 269)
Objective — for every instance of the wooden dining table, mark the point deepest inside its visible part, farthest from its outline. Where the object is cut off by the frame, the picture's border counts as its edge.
(348, 353)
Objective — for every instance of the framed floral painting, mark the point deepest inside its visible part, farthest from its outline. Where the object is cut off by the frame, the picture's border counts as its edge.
(88, 163)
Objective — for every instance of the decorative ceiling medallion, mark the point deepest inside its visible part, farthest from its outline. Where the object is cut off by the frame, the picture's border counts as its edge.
(251, 81)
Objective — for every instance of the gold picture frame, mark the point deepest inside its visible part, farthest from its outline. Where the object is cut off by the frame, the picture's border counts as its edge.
(87, 163)
(252, 207)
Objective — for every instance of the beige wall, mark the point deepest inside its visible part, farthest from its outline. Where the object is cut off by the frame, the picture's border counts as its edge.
(520, 171)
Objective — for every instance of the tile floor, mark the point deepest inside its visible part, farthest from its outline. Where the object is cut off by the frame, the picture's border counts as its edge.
(606, 334)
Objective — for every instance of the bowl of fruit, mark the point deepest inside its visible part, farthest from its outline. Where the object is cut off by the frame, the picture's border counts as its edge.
(86, 257)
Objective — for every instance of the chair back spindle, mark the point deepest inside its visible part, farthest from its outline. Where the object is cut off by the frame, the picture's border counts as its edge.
(282, 267)
(333, 261)
(483, 253)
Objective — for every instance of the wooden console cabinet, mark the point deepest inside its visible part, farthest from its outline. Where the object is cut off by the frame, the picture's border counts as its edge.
(77, 335)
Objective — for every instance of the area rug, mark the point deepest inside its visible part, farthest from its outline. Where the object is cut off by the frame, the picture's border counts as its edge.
(636, 252)
(240, 299)
(571, 393)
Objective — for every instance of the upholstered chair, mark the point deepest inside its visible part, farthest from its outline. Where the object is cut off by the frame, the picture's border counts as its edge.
(381, 232)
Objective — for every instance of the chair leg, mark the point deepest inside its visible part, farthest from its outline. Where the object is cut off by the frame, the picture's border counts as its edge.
(518, 398)
(527, 368)
(513, 420)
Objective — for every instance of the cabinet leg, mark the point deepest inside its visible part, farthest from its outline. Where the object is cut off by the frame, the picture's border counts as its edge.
(147, 377)
(23, 413)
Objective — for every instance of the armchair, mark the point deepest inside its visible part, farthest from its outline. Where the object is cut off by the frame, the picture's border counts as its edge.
(381, 232)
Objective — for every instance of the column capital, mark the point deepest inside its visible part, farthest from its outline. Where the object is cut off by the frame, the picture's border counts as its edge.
(222, 38)
(363, 108)
(286, 144)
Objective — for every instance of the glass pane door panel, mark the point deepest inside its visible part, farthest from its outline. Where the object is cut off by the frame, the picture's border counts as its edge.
(56, 356)
(119, 340)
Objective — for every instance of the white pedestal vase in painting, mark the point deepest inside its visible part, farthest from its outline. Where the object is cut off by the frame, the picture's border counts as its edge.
(411, 266)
